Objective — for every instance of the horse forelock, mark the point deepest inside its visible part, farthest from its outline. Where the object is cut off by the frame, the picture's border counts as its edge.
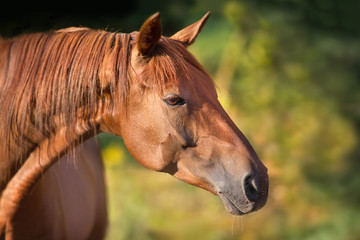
(169, 59)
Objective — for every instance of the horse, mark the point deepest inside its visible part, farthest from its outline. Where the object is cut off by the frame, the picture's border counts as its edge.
(59, 89)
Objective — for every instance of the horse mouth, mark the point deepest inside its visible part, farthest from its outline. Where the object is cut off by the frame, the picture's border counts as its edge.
(235, 208)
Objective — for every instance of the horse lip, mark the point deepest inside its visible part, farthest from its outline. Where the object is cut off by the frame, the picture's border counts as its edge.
(232, 208)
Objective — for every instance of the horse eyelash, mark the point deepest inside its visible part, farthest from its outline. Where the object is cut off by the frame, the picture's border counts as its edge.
(178, 101)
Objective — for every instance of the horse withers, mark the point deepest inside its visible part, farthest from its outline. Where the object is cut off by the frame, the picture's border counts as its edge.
(69, 85)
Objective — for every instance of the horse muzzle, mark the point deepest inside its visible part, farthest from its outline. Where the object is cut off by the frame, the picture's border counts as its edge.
(247, 195)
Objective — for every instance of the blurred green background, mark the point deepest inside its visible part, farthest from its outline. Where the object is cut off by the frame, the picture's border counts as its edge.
(288, 73)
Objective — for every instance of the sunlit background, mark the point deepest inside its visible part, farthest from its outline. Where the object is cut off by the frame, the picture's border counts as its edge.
(288, 73)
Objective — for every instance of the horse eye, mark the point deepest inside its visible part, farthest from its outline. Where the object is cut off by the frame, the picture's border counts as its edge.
(174, 100)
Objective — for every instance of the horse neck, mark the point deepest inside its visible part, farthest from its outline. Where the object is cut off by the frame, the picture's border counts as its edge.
(40, 159)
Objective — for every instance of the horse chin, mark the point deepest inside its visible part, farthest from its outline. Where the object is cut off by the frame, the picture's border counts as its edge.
(235, 208)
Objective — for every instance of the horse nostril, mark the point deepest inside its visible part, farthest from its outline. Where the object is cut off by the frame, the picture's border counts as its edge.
(250, 189)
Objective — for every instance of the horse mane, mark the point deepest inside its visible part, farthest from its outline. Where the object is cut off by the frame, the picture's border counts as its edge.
(53, 78)
(53, 74)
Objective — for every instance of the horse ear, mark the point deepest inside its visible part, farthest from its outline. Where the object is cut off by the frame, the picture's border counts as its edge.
(188, 35)
(149, 35)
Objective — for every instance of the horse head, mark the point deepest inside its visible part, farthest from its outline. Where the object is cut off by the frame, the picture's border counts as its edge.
(172, 121)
